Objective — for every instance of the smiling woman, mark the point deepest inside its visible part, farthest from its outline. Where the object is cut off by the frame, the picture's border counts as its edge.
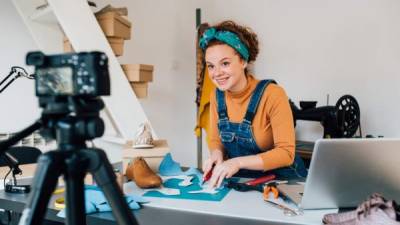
(251, 125)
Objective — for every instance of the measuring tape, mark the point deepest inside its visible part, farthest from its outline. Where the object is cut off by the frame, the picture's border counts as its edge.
(60, 202)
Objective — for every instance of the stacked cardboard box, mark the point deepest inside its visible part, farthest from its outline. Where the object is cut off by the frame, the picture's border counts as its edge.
(139, 75)
(114, 25)
(116, 28)
(153, 156)
(117, 45)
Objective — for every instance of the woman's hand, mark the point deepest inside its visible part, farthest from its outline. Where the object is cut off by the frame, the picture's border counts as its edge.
(224, 170)
(216, 158)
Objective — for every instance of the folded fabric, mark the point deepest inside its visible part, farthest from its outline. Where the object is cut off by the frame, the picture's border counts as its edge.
(95, 201)
(168, 167)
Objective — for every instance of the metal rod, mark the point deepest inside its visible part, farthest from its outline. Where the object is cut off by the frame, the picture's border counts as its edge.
(200, 137)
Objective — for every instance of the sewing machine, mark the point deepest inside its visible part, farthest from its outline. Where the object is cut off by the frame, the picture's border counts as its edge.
(339, 121)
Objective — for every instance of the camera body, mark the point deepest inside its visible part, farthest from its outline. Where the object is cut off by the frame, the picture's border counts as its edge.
(83, 74)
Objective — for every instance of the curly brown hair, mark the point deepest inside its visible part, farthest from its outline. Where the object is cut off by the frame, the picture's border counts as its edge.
(245, 34)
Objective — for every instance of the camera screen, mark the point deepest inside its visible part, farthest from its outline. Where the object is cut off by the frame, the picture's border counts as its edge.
(54, 81)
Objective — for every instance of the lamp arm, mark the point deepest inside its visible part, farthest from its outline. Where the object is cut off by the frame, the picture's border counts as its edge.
(17, 72)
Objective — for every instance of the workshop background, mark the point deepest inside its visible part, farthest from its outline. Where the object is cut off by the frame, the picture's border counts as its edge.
(312, 48)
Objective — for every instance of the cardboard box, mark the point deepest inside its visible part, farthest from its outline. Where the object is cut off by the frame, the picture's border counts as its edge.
(117, 45)
(114, 25)
(138, 72)
(67, 45)
(152, 156)
(140, 89)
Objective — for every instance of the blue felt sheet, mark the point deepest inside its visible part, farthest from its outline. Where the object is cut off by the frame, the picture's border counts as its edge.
(173, 183)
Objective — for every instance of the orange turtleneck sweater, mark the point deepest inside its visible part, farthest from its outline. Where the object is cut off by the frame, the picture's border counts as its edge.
(273, 127)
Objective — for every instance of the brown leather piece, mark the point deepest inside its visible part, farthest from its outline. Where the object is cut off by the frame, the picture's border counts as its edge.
(140, 172)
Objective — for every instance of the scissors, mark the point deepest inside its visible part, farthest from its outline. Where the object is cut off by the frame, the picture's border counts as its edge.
(271, 187)
(266, 189)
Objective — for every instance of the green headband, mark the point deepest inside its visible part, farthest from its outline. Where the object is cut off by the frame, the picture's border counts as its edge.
(227, 37)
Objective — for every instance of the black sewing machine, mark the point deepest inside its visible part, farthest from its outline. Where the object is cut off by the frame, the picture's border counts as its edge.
(339, 121)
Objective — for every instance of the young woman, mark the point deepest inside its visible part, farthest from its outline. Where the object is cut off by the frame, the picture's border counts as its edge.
(252, 132)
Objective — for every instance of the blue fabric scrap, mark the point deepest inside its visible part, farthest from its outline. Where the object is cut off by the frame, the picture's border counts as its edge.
(95, 201)
(185, 191)
(168, 167)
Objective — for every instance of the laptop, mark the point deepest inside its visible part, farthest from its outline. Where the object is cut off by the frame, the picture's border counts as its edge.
(344, 172)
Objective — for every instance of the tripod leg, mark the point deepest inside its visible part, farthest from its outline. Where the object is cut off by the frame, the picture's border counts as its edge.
(105, 178)
(50, 166)
(75, 204)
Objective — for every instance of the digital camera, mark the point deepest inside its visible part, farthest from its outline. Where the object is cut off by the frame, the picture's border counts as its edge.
(82, 74)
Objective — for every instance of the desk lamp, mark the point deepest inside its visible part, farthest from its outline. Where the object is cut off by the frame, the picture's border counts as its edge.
(12, 186)
(15, 73)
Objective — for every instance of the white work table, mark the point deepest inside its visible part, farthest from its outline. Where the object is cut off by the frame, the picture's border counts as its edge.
(236, 208)
(241, 206)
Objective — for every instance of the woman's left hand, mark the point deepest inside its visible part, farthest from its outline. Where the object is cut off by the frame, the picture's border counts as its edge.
(224, 170)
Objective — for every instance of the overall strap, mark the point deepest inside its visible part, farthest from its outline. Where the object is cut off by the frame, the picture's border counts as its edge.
(255, 100)
(222, 112)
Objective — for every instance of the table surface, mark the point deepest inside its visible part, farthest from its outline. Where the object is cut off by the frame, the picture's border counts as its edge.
(235, 208)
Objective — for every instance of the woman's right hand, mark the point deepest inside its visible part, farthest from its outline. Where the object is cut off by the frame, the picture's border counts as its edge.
(216, 158)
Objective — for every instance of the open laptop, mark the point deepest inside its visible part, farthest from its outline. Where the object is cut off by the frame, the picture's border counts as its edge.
(344, 172)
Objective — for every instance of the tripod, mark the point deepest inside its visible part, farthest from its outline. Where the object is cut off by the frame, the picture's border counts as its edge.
(72, 159)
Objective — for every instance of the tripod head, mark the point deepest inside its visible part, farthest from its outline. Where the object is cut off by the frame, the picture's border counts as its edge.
(71, 121)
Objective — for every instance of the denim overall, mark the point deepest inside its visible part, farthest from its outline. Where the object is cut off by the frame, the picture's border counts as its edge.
(238, 138)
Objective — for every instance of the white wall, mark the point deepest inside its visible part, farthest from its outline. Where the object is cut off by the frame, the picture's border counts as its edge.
(314, 48)
(310, 47)
(18, 104)
(163, 34)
